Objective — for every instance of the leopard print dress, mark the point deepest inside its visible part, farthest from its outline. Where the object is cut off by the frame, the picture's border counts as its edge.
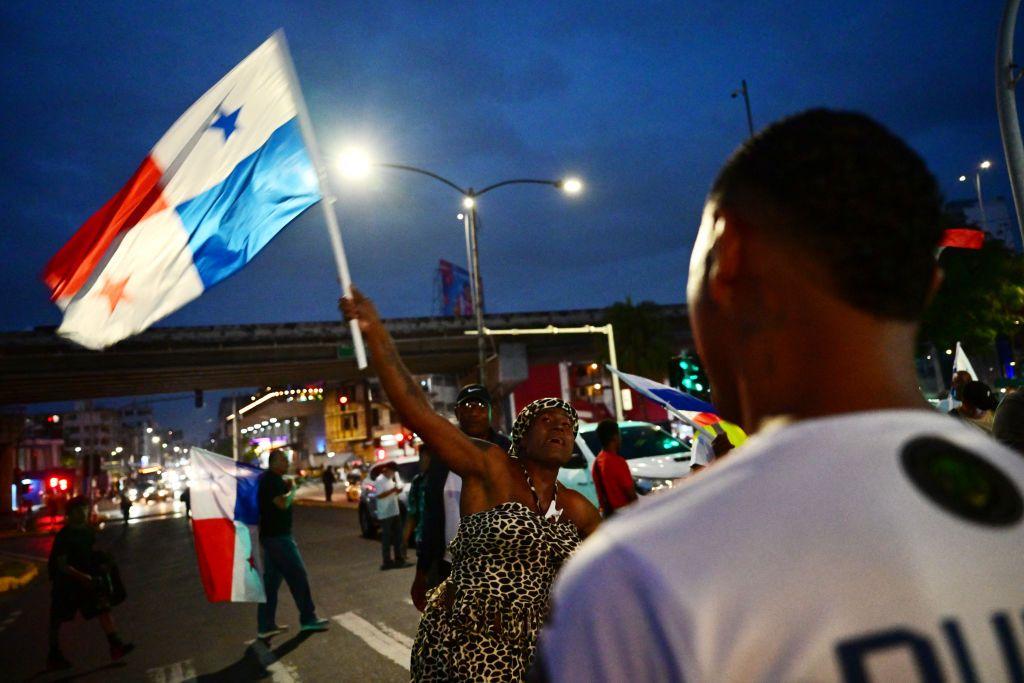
(481, 623)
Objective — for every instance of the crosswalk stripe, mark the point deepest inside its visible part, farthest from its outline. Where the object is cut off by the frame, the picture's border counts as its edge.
(397, 635)
(178, 672)
(279, 671)
(395, 649)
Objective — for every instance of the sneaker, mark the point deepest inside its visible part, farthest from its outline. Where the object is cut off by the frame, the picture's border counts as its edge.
(119, 650)
(318, 625)
(272, 631)
(57, 662)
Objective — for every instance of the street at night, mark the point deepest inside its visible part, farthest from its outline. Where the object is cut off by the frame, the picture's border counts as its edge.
(179, 636)
(532, 342)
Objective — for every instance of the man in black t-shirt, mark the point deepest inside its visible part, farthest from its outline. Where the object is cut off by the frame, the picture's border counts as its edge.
(84, 580)
(281, 558)
(473, 411)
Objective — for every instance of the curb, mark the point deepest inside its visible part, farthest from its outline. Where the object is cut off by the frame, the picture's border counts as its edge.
(313, 503)
(9, 583)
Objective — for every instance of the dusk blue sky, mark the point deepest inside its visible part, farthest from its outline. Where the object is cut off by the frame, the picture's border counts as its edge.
(633, 97)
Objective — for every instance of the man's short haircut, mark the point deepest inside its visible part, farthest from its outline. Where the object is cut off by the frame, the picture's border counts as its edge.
(606, 431)
(277, 454)
(75, 503)
(841, 188)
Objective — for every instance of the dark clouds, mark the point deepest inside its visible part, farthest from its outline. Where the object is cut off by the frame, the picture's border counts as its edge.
(632, 96)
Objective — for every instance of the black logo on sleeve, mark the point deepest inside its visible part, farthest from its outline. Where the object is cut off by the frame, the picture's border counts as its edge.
(961, 482)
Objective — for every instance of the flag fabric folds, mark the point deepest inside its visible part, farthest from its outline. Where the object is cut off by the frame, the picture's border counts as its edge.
(225, 519)
(962, 238)
(218, 186)
(688, 408)
(962, 362)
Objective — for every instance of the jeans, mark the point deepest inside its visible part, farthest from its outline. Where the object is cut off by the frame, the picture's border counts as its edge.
(391, 537)
(281, 560)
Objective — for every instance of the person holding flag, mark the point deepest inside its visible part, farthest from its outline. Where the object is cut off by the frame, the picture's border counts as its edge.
(232, 172)
(281, 558)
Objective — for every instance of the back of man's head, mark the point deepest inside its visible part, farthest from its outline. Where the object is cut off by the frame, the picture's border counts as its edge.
(607, 432)
(841, 189)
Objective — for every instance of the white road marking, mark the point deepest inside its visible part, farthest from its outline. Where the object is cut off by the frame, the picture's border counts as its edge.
(279, 671)
(409, 601)
(397, 635)
(398, 650)
(179, 672)
(11, 618)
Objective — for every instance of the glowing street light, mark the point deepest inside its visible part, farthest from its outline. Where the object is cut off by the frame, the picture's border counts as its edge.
(983, 166)
(355, 164)
(572, 186)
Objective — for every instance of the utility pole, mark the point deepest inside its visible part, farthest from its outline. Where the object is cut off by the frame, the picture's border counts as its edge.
(746, 101)
(234, 427)
(1007, 75)
(478, 303)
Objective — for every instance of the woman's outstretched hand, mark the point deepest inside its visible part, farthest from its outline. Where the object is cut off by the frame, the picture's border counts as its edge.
(357, 306)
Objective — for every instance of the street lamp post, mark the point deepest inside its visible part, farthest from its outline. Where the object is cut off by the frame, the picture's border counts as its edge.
(746, 101)
(983, 166)
(357, 165)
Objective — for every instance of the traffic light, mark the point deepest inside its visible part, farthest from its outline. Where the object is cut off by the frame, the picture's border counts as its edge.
(687, 373)
(343, 400)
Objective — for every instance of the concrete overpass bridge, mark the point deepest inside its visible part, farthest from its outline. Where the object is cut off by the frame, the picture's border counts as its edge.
(39, 366)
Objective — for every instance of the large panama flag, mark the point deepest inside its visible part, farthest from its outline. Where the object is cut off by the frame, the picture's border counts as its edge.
(225, 515)
(218, 186)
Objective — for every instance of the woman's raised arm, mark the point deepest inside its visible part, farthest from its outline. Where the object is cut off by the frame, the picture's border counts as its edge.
(454, 448)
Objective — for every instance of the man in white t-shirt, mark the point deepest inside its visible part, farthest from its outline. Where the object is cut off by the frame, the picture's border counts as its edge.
(858, 535)
(389, 515)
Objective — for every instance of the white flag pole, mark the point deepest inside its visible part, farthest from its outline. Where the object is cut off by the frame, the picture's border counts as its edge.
(327, 201)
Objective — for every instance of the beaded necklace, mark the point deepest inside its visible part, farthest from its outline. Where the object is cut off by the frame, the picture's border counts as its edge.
(533, 490)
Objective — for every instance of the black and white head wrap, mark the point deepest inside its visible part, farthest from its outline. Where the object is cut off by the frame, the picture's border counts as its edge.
(528, 414)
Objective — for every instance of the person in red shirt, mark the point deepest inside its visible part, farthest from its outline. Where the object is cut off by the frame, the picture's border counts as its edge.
(612, 478)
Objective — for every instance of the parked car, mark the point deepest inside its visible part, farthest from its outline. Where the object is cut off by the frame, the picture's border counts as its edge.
(656, 458)
(408, 467)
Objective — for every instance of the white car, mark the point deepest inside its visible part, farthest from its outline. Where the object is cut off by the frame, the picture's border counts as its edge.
(655, 457)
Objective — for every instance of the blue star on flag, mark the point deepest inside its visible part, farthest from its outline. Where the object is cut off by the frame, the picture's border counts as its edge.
(227, 123)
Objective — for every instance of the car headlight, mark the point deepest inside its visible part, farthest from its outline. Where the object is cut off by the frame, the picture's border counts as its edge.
(645, 485)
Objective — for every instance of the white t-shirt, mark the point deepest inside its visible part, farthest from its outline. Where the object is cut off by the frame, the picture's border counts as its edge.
(452, 510)
(811, 553)
(386, 507)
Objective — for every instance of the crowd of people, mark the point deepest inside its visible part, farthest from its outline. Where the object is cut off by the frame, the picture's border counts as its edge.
(858, 535)
(843, 541)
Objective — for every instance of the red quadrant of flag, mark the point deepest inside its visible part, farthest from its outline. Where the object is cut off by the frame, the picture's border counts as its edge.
(71, 267)
(215, 550)
(963, 238)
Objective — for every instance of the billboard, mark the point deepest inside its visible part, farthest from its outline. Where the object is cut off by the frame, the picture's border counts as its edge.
(456, 291)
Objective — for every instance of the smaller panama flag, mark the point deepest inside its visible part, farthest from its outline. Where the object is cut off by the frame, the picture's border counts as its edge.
(962, 238)
(228, 176)
(693, 411)
(225, 519)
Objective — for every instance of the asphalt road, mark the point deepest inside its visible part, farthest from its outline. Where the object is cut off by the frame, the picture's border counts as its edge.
(179, 636)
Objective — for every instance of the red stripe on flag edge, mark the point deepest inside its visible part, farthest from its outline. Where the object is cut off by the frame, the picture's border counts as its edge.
(963, 238)
(215, 553)
(73, 265)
